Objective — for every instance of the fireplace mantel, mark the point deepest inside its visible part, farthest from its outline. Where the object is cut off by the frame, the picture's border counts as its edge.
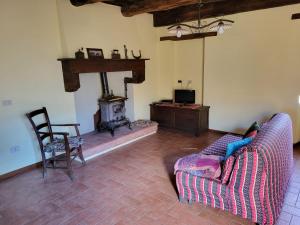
(73, 67)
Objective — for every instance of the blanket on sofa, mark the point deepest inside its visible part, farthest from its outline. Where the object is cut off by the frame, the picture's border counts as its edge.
(200, 165)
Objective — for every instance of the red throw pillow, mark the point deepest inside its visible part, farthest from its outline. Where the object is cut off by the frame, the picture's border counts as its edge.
(253, 127)
(252, 134)
(227, 169)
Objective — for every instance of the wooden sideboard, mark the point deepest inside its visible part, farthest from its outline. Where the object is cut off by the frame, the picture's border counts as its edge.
(190, 118)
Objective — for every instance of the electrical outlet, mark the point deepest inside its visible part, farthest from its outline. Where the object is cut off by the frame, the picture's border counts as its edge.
(6, 102)
(14, 149)
(179, 81)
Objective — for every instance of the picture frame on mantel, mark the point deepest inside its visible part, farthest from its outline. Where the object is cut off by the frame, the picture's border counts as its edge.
(95, 53)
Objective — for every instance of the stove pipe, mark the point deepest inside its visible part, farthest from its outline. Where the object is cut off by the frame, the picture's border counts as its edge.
(104, 83)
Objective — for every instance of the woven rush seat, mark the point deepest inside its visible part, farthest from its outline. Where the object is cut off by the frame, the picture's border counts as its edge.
(58, 144)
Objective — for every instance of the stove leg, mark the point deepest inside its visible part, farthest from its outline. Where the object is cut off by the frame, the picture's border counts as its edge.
(112, 132)
(129, 124)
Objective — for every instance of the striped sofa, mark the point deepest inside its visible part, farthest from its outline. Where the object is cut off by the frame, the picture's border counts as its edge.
(259, 178)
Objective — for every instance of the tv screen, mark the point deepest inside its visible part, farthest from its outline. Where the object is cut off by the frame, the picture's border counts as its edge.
(185, 96)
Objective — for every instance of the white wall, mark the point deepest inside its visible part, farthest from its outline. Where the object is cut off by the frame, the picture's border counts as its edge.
(86, 101)
(252, 71)
(30, 77)
(180, 60)
(188, 65)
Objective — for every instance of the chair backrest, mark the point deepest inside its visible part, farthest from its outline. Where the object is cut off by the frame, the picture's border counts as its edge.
(37, 127)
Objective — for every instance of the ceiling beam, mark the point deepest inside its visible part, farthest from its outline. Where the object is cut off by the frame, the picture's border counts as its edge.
(190, 13)
(146, 6)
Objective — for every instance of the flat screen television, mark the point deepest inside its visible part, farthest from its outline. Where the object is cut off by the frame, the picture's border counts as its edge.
(185, 96)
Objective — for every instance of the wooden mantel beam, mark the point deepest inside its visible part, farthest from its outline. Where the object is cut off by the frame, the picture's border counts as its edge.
(190, 13)
(73, 67)
(146, 6)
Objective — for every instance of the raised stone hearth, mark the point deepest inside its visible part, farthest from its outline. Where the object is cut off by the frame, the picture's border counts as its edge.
(96, 144)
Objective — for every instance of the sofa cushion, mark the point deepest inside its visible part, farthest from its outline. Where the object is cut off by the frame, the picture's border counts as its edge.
(234, 146)
(253, 127)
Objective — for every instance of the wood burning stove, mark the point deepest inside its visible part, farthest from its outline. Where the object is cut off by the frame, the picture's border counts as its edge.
(112, 109)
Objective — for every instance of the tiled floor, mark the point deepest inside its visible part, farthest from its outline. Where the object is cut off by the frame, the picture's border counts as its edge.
(130, 186)
(290, 214)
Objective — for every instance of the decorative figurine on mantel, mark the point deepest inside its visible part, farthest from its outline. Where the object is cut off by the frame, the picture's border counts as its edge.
(79, 54)
(115, 54)
(136, 57)
(126, 52)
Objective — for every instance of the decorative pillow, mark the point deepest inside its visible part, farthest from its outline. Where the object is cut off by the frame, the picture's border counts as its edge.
(234, 146)
(227, 169)
(200, 165)
(253, 127)
(273, 116)
(252, 134)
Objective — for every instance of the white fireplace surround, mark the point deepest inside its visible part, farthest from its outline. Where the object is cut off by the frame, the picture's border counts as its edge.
(86, 98)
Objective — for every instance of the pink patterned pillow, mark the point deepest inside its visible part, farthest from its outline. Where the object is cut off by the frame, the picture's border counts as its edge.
(227, 169)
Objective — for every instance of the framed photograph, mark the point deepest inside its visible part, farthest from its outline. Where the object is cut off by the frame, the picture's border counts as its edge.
(95, 53)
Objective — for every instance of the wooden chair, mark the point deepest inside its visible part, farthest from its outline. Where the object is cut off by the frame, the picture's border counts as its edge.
(70, 146)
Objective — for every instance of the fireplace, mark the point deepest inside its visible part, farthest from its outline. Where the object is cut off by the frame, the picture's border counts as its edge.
(111, 109)
(79, 78)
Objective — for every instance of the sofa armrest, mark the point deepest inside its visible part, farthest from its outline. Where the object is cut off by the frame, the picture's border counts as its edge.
(203, 190)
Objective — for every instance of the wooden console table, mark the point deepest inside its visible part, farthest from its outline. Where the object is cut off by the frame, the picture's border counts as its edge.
(191, 118)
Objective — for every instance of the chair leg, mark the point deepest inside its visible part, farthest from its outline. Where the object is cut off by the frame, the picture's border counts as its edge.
(53, 160)
(44, 166)
(69, 166)
(81, 155)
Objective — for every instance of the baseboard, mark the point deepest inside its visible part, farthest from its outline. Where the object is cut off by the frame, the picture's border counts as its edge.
(223, 132)
(20, 171)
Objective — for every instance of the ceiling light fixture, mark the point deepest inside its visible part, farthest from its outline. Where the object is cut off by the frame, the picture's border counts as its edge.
(222, 25)
(179, 31)
(218, 25)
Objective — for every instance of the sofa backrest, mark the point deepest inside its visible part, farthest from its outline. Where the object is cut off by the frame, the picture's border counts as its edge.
(275, 136)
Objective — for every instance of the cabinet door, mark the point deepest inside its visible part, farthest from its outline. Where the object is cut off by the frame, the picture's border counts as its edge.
(186, 120)
(162, 115)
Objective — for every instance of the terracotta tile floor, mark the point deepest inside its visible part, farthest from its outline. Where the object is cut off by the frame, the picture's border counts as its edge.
(130, 186)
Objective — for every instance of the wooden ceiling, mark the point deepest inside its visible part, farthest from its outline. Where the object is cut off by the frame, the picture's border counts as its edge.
(167, 12)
